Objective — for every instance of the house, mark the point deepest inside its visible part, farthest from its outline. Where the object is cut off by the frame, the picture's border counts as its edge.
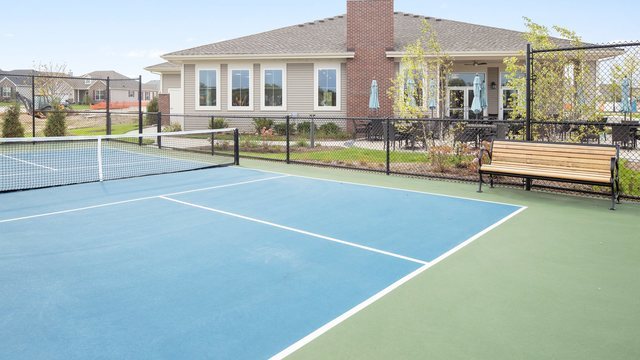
(15, 81)
(92, 88)
(34, 84)
(326, 67)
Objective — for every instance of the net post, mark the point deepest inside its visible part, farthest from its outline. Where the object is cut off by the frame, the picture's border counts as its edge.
(100, 173)
(236, 147)
(159, 130)
(388, 154)
(288, 134)
(33, 105)
(108, 106)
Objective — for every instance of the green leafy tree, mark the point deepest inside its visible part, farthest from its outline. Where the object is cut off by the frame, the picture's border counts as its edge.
(11, 126)
(56, 124)
(152, 108)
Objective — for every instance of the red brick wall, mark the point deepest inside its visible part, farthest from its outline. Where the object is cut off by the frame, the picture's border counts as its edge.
(164, 107)
(370, 34)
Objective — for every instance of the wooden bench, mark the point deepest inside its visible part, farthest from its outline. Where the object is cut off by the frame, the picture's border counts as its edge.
(575, 163)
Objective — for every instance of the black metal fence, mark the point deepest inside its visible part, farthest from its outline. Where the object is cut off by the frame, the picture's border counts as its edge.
(92, 106)
(587, 94)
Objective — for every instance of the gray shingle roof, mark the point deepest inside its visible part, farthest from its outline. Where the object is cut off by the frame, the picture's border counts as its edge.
(330, 36)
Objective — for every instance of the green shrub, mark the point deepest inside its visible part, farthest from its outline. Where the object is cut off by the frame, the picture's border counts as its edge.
(11, 126)
(629, 179)
(173, 127)
(152, 107)
(281, 129)
(86, 100)
(262, 123)
(305, 127)
(330, 128)
(218, 123)
(302, 143)
(56, 124)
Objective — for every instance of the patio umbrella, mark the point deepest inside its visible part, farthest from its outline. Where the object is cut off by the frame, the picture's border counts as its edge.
(625, 106)
(483, 98)
(433, 93)
(411, 86)
(374, 103)
(476, 105)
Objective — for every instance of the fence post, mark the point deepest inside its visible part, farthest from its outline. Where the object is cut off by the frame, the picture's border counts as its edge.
(33, 105)
(528, 105)
(236, 147)
(312, 132)
(108, 108)
(159, 130)
(140, 123)
(288, 135)
(388, 161)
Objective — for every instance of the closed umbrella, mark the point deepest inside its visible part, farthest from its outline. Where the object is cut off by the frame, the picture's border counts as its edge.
(476, 105)
(374, 103)
(625, 106)
(433, 93)
(411, 86)
(483, 98)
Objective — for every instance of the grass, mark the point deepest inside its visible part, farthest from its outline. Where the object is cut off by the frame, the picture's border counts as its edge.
(79, 107)
(116, 129)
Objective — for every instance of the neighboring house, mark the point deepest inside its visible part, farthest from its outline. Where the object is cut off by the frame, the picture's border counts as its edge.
(326, 67)
(93, 87)
(15, 81)
(21, 81)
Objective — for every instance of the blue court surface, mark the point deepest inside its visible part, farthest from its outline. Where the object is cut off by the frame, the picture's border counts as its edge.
(227, 263)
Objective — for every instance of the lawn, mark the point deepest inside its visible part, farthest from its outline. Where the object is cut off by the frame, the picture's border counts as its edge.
(116, 129)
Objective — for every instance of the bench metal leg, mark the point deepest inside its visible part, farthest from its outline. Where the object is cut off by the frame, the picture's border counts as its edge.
(491, 181)
(480, 183)
(613, 195)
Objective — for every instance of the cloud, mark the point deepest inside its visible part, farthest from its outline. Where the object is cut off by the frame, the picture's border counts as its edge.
(145, 53)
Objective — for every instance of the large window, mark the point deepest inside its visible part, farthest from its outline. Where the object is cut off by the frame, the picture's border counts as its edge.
(327, 88)
(208, 82)
(6, 92)
(99, 95)
(273, 88)
(240, 91)
(509, 98)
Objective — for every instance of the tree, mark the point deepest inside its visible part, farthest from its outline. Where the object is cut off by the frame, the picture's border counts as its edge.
(152, 108)
(11, 126)
(56, 124)
(49, 83)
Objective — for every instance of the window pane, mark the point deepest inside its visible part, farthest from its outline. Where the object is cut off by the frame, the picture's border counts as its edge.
(504, 80)
(208, 90)
(327, 87)
(463, 79)
(240, 87)
(273, 88)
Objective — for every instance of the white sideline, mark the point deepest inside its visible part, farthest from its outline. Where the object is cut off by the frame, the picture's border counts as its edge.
(381, 187)
(288, 228)
(328, 326)
(28, 162)
(137, 199)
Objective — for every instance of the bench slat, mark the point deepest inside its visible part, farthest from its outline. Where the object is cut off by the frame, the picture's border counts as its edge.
(554, 153)
(606, 171)
(579, 149)
(537, 172)
(553, 161)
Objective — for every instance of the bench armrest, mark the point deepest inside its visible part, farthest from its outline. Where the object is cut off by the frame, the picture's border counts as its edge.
(481, 153)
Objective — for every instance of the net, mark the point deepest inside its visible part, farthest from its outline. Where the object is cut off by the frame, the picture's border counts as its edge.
(30, 163)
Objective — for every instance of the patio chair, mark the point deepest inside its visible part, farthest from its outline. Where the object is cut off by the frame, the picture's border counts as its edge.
(623, 135)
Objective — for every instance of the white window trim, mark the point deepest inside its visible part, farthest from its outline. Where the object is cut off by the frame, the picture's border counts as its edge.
(283, 68)
(87, 81)
(425, 89)
(8, 91)
(199, 68)
(501, 89)
(327, 66)
(230, 70)
(102, 98)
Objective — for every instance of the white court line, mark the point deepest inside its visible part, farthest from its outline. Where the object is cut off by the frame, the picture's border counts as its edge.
(87, 167)
(328, 326)
(137, 199)
(288, 228)
(382, 187)
(28, 162)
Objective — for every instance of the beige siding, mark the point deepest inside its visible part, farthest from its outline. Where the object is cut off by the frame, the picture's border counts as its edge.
(300, 95)
(170, 81)
(493, 76)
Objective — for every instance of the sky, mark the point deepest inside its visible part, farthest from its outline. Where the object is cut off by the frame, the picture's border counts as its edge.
(127, 36)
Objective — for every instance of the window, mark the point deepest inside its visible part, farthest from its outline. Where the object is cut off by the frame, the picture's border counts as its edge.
(463, 79)
(87, 81)
(147, 95)
(207, 85)
(509, 98)
(240, 89)
(132, 94)
(327, 94)
(273, 88)
(98, 95)
(6, 92)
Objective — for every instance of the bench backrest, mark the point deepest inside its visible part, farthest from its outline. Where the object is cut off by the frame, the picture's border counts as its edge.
(575, 156)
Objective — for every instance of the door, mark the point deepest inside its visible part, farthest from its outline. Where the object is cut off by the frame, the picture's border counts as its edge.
(176, 106)
(506, 103)
(459, 100)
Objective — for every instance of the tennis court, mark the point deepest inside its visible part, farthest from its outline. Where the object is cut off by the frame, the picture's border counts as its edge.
(218, 263)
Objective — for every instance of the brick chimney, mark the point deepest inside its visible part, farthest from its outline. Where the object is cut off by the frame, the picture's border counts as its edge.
(370, 34)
